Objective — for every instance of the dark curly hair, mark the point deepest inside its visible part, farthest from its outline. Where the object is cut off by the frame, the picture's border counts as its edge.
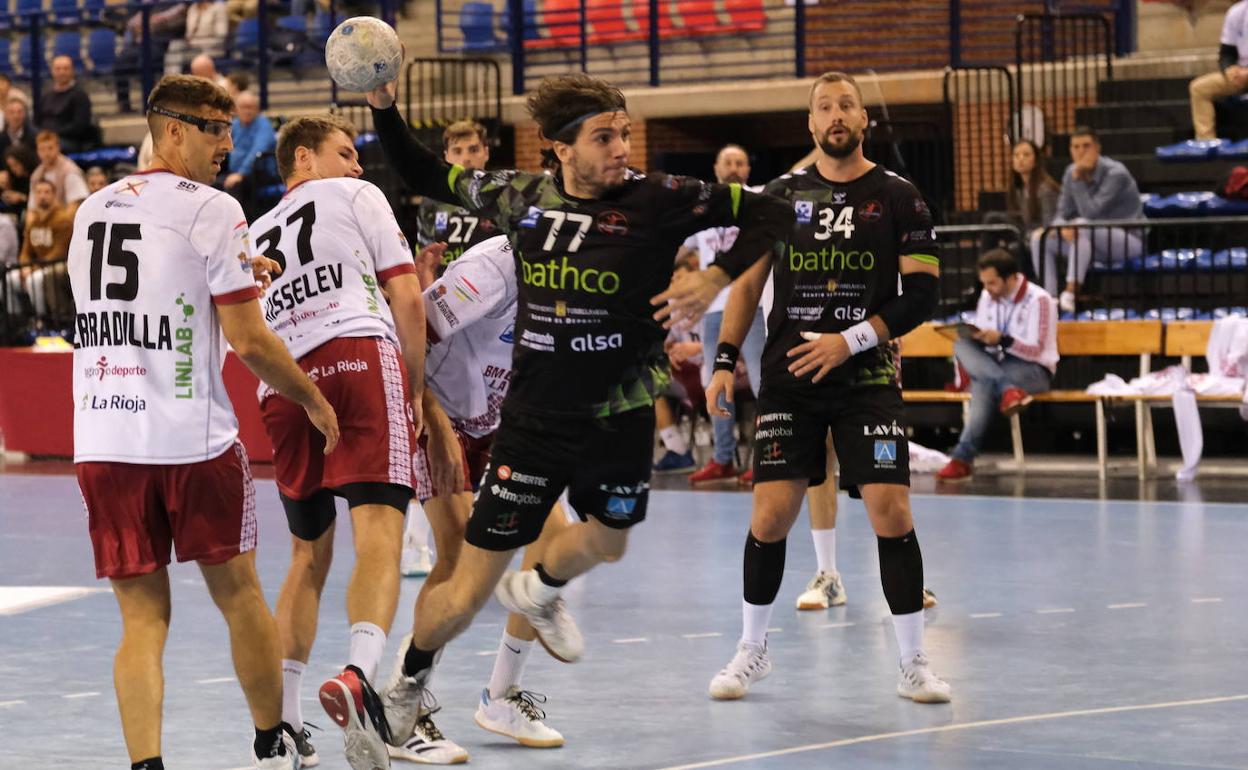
(562, 103)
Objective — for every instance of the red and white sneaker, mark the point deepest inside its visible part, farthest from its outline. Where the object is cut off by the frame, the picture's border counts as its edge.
(713, 471)
(351, 703)
(746, 479)
(955, 471)
(1014, 400)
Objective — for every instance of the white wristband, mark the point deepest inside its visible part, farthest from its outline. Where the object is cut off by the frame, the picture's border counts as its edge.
(860, 337)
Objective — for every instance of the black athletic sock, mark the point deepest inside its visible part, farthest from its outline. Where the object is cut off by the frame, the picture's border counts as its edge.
(546, 579)
(416, 660)
(269, 742)
(901, 572)
(764, 569)
(154, 763)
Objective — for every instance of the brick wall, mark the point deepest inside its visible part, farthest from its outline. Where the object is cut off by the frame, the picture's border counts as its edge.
(529, 146)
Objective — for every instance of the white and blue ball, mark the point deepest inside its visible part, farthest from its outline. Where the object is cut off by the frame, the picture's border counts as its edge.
(363, 53)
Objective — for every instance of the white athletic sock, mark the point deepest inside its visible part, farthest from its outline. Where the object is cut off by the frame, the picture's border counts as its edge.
(674, 440)
(541, 593)
(509, 664)
(368, 642)
(754, 620)
(418, 529)
(825, 548)
(292, 676)
(909, 631)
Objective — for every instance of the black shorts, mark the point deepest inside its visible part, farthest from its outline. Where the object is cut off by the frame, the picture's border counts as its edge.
(604, 464)
(312, 517)
(868, 427)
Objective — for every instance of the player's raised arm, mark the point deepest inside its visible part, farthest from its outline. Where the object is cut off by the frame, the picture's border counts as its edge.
(735, 325)
(267, 358)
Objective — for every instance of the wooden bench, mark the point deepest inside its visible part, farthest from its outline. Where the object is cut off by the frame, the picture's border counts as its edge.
(1074, 338)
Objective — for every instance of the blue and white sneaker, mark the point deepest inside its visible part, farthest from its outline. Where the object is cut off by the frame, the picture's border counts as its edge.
(671, 462)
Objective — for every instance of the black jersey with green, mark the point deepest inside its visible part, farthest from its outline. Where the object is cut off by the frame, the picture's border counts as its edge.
(453, 225)
(838, 266)
(586, 341)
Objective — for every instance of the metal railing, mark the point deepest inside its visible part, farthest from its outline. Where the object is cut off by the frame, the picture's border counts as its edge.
(960, 248)
(437, 92)
(980, 112)
(1059, 60)
(919, 151)
(34, 299)
(1156, 268)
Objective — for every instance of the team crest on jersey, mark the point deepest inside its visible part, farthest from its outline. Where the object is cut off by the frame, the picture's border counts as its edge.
(530, 218)
(508, 335)
(838, 197)
(244, 261)
(440, 220)
(132, 187)
(439, 290)
(612, 223)
(804, 210)
(871, 211)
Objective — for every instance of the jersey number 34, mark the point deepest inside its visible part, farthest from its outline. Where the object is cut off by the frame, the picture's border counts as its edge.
(831, 222)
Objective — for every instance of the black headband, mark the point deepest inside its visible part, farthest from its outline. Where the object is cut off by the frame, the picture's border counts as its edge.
(575, 123)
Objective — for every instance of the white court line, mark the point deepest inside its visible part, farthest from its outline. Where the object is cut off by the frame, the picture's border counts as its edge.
(1055, 610)
(776, 630)
(1207, 600)
(980, 615)
(955, 728)
(74, 695)
(216, 680)
(7, 703)
(631, 640)
(484, 653)
(837, 625)
(1126, 606)
(708, 635)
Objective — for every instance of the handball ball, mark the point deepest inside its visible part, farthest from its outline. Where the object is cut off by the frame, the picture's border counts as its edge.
(363, 53)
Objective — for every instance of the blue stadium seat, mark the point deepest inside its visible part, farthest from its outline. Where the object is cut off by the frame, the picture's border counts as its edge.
(107, 157)
(247, 37)
(1191, 150)
(1108, 314)
(322, 26)
(28, 7)
(1224, 312)
(1189, 204)
(102, 50)
(531, 32)
(1167, 261)
(1171, 314)
(23, 57)
(1234, 150)
(1226, 259)
(68, 44)
(476, 22)
(93, 10)
(6, 56)
(65, 12)
(1218, 206)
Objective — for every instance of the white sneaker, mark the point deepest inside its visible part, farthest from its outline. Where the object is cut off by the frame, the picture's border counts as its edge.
(929, 599)
(749, 665)
(517, 716)
(824, 590)
(555, 627)
(350, 701)
(1066, 301)
(287, 761)
(405, 699)
(417, 560)
(916, 681)
(427, 746)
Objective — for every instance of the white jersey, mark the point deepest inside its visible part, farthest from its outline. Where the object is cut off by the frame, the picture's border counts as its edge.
(712, 242)
(337, 241)
(150, 257)
(471, 312)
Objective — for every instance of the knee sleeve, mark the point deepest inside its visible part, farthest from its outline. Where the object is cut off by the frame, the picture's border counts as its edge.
(901, 573)
(764, 569)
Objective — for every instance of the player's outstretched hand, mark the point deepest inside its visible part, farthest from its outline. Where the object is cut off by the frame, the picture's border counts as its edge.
(688, 296)
(722, 382)
(446, 465)
(820, 353)
(263, 269)
(427, 261)
(324, 419)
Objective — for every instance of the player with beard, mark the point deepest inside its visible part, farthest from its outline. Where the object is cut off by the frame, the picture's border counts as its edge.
(593, 247)
(857, 270)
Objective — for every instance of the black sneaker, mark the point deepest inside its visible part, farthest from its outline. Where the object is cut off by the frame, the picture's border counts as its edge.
(303, 744)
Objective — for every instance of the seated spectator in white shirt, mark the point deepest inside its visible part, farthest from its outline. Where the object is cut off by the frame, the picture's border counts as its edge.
(1231, 77)
(63, 173)
(206, 29)
(1011, 356)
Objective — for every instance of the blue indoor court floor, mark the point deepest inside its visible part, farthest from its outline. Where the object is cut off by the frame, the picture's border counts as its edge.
(1077, 634)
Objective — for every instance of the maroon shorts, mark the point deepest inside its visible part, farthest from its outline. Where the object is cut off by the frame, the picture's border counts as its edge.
(207, 510)
(476, 455)
(363, 378)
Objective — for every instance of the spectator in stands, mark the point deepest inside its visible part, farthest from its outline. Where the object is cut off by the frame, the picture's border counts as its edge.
(19, 164)
(253, 134)
(97, 179)
(46, 240)
(66, 108)
(236, 82)
(64, 174)
(1094, 188)
(206, 30)
(241, 9)
(8, 241)
(203, 66)
(1032, 197)
(1011, 356)
(7, 90)
(165, 25)
(18, 130)
(1231, 77)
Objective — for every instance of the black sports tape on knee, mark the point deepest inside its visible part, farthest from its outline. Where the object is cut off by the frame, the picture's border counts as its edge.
(764, 569)
(901, 572)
